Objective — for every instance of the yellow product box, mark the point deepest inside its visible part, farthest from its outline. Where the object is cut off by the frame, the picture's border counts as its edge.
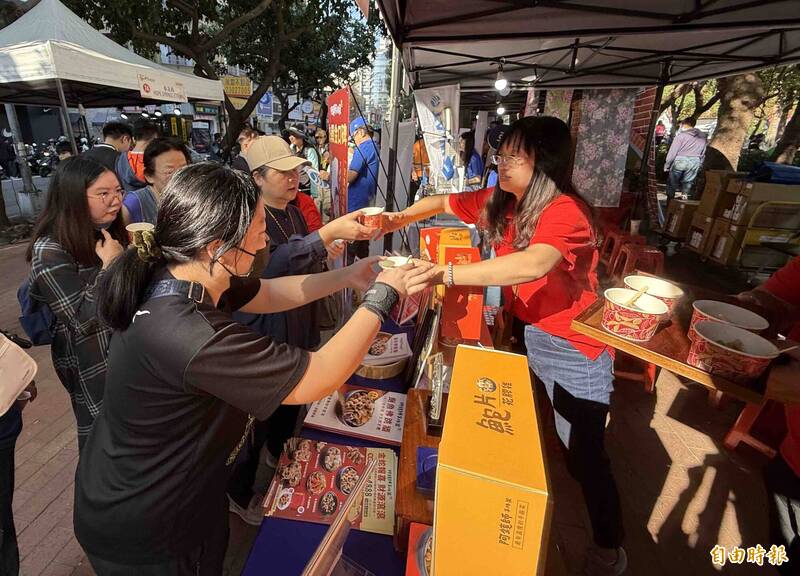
(493, 506)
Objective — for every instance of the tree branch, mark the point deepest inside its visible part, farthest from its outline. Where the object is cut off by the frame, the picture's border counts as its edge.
(184, 49)
(236, 23)
(184, 7)
(708, 105)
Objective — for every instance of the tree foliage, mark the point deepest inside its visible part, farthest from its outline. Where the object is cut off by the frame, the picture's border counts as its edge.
(305, 45)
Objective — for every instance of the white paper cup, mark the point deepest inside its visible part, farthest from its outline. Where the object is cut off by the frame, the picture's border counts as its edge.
(138, 227)
(661, 289)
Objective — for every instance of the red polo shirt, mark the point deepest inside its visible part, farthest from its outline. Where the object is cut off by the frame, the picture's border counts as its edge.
(785, 284)
(552, 302)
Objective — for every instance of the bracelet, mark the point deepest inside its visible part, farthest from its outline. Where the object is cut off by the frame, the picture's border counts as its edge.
(380, 299)
(448, 280)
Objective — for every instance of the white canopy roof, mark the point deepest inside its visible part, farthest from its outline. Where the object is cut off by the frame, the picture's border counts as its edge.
(589, 43)
(50, 41)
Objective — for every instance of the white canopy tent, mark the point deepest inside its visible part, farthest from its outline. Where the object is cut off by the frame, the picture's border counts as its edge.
(587, 43)
(50, 43)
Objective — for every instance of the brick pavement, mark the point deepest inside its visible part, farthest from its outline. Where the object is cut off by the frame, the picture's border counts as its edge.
(680, 492)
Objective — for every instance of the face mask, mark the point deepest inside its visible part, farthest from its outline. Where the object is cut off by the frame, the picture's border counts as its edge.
(241, 286)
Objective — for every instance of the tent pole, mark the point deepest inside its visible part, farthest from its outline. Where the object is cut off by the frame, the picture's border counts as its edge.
(67, 125)
(394, 122)
(19, 145)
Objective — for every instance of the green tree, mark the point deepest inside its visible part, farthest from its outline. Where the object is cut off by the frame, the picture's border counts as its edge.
(274, 41)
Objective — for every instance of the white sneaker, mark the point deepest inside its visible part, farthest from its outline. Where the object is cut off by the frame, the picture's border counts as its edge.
(597, 565)
(253, 514)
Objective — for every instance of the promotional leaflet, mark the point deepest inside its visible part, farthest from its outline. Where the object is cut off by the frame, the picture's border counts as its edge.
(315, 478)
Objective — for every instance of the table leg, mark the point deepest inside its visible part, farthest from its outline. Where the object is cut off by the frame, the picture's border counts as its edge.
(740, 432)
(716, 399)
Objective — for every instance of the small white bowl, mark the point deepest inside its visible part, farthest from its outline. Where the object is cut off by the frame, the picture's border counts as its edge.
(395, 261)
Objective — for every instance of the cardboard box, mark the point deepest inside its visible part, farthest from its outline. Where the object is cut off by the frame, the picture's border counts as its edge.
(431, 238)
(725, 241)
(699, 233)
(462, 307)
(715, 190)
(493, 505)
(679, 217)
(764, 191)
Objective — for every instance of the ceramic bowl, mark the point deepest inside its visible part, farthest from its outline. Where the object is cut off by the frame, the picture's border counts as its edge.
(727, 313)
(730, 351)
(638, 322)
(668, 293)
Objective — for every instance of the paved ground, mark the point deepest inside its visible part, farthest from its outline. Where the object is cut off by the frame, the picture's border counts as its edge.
(681, 493)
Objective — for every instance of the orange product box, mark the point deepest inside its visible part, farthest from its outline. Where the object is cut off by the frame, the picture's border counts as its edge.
(493, 502)
(431, 238)
(462, 308)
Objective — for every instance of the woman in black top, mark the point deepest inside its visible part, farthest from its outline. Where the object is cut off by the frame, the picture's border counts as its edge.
(183, 376)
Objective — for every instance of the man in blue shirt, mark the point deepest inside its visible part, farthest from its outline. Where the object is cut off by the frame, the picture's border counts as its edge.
(362, 178)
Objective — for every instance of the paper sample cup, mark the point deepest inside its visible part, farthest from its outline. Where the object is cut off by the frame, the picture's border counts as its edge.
(138, 227)
(371, 217)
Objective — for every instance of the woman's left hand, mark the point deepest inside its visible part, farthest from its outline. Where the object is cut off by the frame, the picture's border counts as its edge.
(362, 273)
(335, 249)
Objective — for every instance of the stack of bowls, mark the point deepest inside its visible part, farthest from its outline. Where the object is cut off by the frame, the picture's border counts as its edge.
(726, 313)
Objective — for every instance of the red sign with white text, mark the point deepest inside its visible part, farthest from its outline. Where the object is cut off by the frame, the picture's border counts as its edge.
(338, 127)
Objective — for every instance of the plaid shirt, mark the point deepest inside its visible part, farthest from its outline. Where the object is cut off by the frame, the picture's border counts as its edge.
(80, 343)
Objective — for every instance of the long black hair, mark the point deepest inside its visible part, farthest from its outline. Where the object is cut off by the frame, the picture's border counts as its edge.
(547, 140)
(202, 203)
(469, 147)
(66, 217)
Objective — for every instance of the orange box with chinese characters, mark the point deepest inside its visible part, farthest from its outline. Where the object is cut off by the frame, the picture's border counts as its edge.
(462, 306)
(493, 506)
(430, 239)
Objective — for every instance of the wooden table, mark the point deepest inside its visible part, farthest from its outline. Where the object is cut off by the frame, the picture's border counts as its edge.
(669, 348)
(411, 506)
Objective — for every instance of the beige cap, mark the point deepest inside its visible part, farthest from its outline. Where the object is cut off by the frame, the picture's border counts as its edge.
(273, 152)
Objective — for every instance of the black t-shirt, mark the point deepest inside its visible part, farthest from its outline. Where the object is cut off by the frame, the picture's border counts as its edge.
(181, 381)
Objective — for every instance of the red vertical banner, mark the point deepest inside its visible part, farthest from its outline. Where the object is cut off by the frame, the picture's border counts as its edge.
(338, 127)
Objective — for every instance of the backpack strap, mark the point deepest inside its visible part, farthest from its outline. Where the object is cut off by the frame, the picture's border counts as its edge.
(192, 290)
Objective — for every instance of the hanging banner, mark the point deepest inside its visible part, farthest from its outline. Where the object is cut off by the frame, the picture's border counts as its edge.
(557, 104)
(437, 109)
(531, 102)
(264, 106)
(161, 87)
(602, 145)
(338, 126)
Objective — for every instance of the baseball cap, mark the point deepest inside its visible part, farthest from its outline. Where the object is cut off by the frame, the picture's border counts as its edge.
(357, 123)
(496, 135)
(273, 152)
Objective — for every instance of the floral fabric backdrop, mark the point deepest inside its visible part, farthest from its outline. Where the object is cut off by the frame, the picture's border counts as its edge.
(602, 146)
(557, 104)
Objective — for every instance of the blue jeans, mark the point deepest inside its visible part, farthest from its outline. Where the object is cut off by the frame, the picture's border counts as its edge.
(682, 175)
(580, 390)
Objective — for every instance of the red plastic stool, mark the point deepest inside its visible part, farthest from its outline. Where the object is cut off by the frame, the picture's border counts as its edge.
(623, 240)
(740, 432)
(636, 257)
(627, 367)
(613, 240)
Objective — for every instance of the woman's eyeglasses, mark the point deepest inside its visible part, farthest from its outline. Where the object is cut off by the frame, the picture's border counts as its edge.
(501, 159)
(107, 197)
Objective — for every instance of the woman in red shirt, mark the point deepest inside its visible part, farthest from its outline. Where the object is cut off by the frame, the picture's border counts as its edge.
(546, 261)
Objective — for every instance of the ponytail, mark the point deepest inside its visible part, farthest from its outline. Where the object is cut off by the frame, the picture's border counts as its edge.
(122, 288)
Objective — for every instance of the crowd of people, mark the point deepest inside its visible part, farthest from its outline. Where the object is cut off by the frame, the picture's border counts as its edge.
(190, 348)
